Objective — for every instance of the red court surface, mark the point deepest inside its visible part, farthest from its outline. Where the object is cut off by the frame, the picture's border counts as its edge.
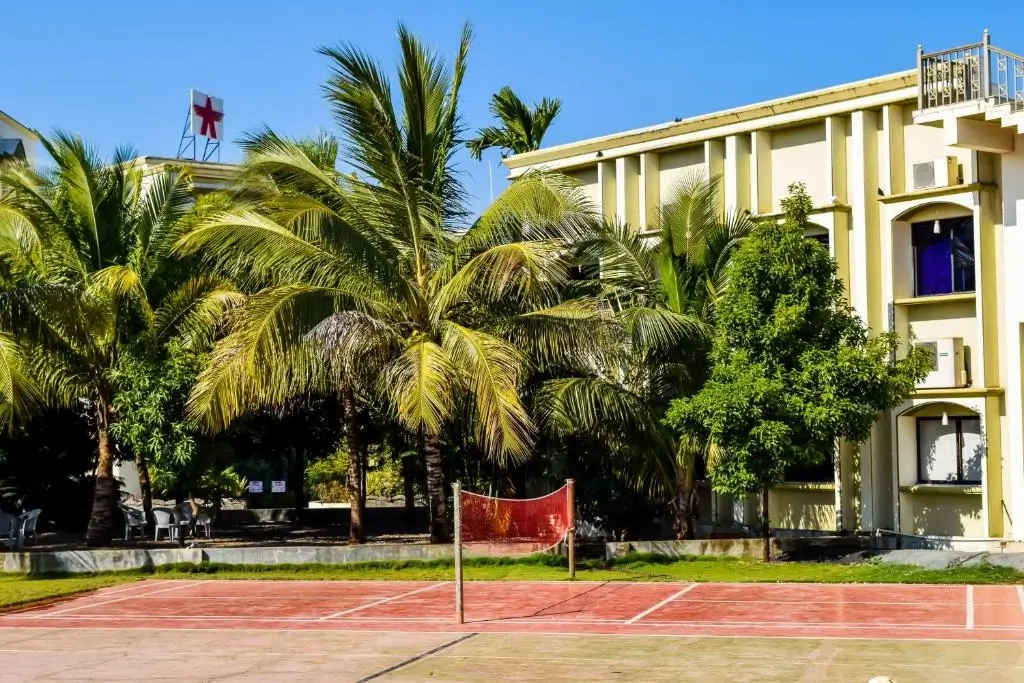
(682, 609)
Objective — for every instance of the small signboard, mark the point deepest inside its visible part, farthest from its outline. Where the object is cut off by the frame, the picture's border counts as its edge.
(207, 116)
(277, 486)
(255, 487)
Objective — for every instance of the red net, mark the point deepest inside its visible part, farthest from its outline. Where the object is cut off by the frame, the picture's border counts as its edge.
(532, 524)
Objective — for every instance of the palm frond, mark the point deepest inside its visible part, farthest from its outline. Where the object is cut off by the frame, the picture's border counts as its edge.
(422, 384)
(493, 368)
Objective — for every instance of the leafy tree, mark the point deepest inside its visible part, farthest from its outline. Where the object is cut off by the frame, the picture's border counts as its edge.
(439, 319)
(664, 288)
(85, 269)
(150, 408)
(793, 367)
(521, 128)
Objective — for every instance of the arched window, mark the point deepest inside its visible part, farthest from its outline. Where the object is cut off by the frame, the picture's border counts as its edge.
(943, 256)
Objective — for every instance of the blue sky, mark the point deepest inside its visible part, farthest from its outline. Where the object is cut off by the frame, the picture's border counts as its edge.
(119, 72)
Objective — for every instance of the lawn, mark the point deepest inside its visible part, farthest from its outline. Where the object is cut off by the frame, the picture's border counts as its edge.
(20, 589)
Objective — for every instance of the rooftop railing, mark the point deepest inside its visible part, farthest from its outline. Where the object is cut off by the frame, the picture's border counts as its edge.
(977, 72)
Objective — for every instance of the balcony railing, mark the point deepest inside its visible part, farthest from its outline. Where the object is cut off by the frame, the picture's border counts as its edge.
(970, 73)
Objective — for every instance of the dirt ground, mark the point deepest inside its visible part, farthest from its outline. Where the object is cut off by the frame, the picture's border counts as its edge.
(211, 655)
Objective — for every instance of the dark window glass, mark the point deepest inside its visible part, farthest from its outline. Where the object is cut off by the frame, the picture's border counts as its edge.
(943, 259)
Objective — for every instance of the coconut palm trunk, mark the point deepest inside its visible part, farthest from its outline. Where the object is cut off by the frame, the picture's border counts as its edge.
(356, 489)
(101, 520)
(145, 484)
(685, 505)
(766, 532)
(435, 489)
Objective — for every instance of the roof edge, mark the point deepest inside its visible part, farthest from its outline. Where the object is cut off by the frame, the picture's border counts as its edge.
(806, 100)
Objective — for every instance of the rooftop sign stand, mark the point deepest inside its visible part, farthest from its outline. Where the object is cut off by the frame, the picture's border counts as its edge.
(205, 119)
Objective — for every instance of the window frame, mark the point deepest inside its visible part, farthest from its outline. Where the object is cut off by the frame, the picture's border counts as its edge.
(948, 233)
(922, 469)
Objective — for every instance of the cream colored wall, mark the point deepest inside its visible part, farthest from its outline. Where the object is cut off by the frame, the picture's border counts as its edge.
(942, 514)
(812, 510)
(925, 143)
(952, 319)
(31, 146)
(587, 178)
(677, 165)
(800, 155)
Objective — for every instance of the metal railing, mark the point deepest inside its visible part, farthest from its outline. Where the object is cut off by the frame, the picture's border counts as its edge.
(970, 73)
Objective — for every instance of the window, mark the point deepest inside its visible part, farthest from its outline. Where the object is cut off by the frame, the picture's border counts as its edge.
(949, 453)
(943, 256)
(820, 473)
(819, 235)
(590, 270)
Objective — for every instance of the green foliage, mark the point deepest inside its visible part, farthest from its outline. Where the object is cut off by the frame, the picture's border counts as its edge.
(793, 367)
(326, 479)
(150, 404)
(521, 128)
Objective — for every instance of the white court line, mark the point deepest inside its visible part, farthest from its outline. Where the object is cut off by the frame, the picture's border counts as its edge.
(1020, 597)
(379, 602)
(566, 634)
(970, 608)
(662, 603)
(107, 602)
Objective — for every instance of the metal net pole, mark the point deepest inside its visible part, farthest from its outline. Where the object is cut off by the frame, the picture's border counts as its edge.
(457, 550)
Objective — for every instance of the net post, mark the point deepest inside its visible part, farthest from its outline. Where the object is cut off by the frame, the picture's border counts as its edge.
(457, 550)
(570, 533)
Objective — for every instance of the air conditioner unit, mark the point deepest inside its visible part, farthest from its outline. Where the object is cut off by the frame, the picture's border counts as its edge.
(947, 369)
(941, 172)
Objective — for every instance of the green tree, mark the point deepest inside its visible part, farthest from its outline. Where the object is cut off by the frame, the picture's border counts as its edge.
(85, 260)
(663, 288)
(520, 128)
(794, 369)
(429, 307)
(153, 387)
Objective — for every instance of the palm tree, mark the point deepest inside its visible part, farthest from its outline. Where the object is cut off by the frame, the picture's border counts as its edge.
(663, 287)
(521, 128)
(429, 307)
(85, 261)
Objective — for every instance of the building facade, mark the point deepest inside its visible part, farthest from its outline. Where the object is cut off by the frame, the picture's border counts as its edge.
(17, 141)
(917, 180)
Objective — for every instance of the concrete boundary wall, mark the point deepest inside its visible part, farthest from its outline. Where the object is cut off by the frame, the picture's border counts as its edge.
(85, 561)
(747, 548)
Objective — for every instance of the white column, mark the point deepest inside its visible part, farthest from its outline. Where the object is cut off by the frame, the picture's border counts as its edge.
(736, 173)
(627, 190)
(606, 188)
(761, 171)
(650, 191)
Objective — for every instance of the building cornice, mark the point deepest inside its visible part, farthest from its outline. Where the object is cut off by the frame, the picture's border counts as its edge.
(877, 91)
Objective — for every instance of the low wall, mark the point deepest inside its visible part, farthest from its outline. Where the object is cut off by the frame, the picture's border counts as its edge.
(84, 561)
(376, 520)
(747, 548)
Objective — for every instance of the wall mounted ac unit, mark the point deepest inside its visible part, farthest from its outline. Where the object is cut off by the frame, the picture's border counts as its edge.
(941, 172)
(947, 370)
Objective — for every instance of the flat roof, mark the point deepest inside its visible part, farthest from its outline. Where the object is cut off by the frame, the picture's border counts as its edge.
(20, 127)
(782, 105)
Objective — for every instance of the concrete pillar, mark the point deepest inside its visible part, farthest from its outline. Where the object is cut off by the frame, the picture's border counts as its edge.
(761, 172)
(627, 191)
(736, 173)
(649, 199)
(606, 188)
(714, 161)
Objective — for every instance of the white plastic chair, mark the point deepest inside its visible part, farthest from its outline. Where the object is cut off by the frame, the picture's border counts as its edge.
(134, 520)
(9, 527)
(163, 519)
(28, 522)
(206, 521)
(182, 518)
